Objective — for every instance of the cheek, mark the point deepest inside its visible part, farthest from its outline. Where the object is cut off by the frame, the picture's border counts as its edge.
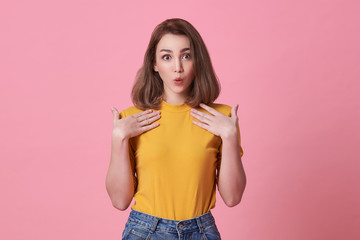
(163, 68)
(164, 72)
(189, 68)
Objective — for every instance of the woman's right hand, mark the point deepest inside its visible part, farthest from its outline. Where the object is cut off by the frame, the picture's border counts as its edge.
(135, 124)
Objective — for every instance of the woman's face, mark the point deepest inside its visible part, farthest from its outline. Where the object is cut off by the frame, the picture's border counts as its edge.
(174, 63)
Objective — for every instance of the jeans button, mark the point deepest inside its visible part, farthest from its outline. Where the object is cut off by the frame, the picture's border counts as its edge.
(181, 226)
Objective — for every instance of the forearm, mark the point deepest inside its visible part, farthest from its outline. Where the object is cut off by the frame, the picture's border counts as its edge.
(119, 179)
(232, 178)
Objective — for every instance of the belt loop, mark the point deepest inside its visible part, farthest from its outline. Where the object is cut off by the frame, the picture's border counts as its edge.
(152, 230)
(199, 224)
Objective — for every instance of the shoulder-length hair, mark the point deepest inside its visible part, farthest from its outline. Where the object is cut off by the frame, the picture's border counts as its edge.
(148, 88)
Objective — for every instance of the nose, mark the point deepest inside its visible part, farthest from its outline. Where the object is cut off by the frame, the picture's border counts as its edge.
(178, 66)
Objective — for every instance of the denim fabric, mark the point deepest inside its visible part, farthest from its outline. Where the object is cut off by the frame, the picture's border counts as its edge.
(144, 226)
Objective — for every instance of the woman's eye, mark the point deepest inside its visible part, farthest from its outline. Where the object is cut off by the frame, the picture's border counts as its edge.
(186, 56)
(166, 57)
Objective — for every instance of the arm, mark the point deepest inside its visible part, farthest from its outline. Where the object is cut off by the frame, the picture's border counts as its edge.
(232, 178)
(120, 179)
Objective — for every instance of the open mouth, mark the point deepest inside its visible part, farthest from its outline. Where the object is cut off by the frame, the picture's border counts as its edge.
(178, 81)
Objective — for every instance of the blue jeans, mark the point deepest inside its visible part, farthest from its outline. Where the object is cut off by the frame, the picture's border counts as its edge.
(144, 226)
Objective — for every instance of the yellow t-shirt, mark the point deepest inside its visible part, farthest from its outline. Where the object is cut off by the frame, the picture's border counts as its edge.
(175, 164)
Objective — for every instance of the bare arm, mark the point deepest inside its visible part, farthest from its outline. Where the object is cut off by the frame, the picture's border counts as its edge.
(120, 178)
(231, 178)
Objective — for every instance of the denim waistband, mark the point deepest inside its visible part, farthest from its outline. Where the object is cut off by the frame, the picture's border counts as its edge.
(163, 224)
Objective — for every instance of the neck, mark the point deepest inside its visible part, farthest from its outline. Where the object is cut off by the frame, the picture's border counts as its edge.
(176, 100)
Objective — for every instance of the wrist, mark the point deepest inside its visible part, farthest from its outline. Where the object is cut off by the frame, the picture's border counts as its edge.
(229, 136)
(119, 136)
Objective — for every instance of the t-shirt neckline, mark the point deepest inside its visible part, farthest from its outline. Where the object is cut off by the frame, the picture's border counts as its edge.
(165, 106)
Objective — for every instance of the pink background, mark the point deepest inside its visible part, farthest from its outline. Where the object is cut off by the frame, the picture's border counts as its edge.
(293, 67)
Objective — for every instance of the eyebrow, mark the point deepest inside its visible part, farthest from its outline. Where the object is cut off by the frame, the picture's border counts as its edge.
(167, 50)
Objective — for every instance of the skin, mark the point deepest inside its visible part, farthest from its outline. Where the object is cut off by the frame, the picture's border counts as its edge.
(119, 179)
(232, 178)
(173, 59)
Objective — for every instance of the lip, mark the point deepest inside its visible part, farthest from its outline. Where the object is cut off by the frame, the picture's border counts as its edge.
(178, 81)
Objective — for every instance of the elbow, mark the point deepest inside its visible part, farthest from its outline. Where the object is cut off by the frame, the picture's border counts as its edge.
(235, 199)
(119, 199)
(233, 202)
(120, 205)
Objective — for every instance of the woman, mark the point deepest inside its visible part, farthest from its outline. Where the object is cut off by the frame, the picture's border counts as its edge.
(167, 147)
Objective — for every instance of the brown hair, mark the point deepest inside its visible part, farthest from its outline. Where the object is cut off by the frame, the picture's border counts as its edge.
(148, 88)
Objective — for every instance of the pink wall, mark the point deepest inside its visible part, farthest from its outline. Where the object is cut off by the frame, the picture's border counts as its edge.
(293, 67)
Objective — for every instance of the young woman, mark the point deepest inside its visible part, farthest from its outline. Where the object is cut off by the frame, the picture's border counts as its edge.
(171, 149)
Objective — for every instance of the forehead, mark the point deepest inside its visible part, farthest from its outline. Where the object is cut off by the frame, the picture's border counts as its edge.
(173, 42)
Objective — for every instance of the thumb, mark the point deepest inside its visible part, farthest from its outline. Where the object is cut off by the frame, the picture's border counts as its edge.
(234, 110)
(115, 113)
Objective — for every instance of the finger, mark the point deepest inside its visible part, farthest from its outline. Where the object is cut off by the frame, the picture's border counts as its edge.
(142, 113)
(234, 110)
(209, 109)
(149, 127)
(115, 113)
(149, 120)
(203, 117)
(202, 125)
(147, 116)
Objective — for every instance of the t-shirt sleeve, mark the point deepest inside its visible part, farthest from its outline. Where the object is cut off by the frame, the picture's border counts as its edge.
(131, 155)
(218, 163)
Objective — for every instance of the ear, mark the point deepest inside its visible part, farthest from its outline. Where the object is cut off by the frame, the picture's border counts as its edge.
(155, 68)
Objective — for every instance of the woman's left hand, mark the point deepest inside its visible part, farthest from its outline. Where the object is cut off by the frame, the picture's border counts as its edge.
(216, 122)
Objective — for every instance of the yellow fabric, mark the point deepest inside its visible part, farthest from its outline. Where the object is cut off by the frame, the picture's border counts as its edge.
(175, 164)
